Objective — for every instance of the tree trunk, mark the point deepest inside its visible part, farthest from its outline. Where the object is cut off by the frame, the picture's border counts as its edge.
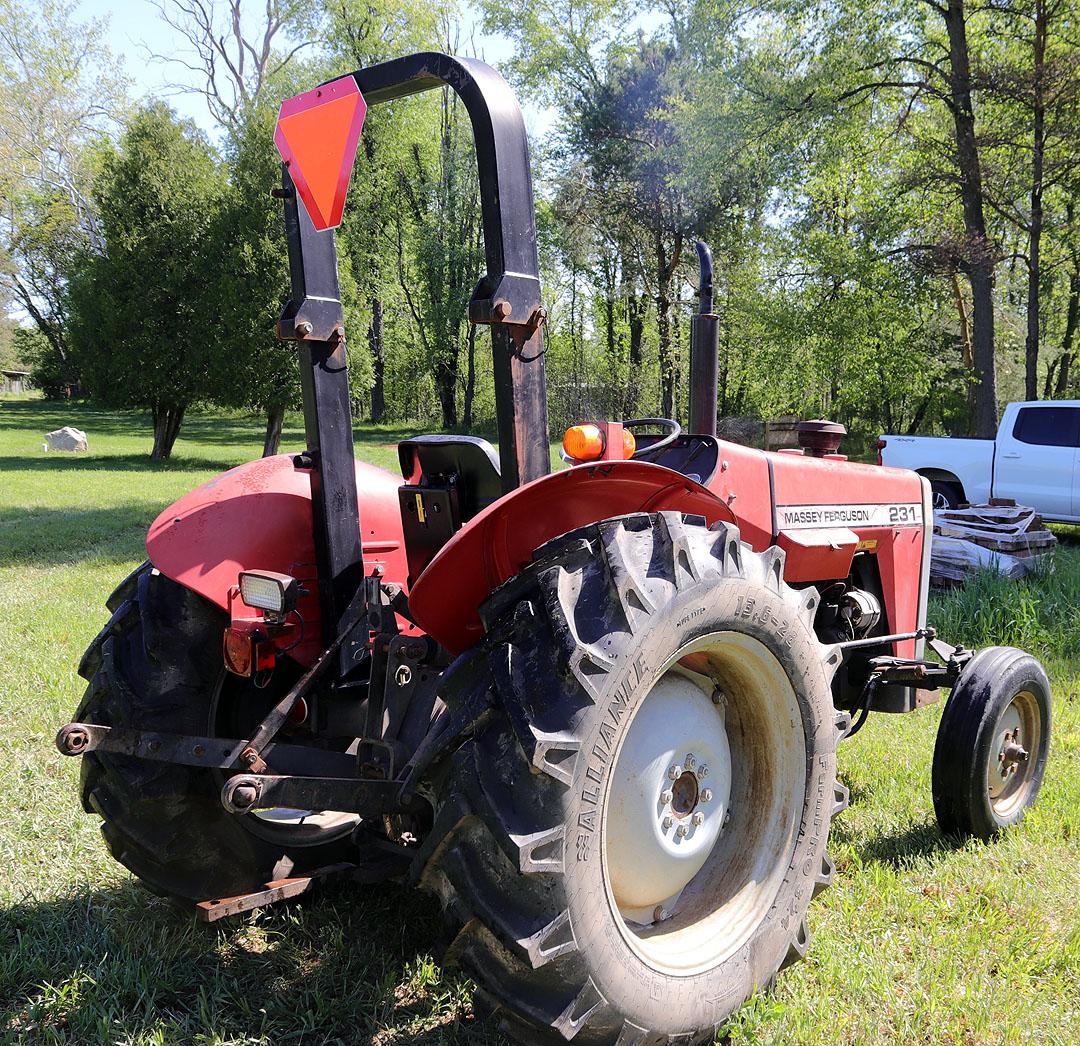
(275, 419)
(446, 386)
(635, 317)
(979, 260)
(378, 358)
(1072, 319)
(965, 343)
(663, 326)
(167, 420)
(1038, 146)
(470, 378)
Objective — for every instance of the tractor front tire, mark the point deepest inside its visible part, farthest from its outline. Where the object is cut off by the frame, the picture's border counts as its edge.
(629, 845)
(157, 665)
(993, 742)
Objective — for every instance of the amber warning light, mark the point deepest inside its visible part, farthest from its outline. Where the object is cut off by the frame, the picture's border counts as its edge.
(590, 442)
(317, 134)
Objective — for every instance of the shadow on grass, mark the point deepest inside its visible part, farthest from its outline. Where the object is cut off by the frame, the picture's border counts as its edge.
(899, 849)
(351, 963)
(111, 463)
(48, 537)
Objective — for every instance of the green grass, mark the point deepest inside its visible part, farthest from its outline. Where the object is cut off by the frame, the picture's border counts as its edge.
(920, 940)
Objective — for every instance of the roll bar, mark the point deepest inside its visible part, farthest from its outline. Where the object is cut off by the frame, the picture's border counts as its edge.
(507, 298)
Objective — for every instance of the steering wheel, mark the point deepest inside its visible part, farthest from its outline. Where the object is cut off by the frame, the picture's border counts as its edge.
(672, 428)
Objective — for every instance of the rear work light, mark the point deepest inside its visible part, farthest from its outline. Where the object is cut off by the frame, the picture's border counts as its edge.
(277, 594)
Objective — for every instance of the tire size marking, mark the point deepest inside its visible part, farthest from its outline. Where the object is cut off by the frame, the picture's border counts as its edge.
(747, 608)
(601, 755)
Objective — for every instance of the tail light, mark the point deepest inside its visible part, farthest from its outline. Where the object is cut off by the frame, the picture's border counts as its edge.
(880, 448)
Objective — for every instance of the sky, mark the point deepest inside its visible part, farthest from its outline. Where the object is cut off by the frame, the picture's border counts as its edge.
(136, 32)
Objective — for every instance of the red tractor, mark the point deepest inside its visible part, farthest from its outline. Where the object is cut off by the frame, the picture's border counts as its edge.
(596, 711)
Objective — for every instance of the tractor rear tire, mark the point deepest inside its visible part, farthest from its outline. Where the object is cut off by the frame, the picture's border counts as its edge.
(565, 841)
(157, 665)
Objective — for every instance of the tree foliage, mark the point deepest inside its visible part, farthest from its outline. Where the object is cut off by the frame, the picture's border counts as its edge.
(888, 188)
(142, 330)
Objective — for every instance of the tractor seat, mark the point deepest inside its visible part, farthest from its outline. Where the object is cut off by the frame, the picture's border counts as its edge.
(448, 480)
(468, 462)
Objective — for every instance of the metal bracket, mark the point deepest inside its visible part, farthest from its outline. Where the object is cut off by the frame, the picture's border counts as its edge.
(896, 637)
(277, 890)
(221, 753)
(246, 792)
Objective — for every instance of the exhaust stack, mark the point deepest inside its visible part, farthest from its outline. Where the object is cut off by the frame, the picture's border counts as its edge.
(704, 350)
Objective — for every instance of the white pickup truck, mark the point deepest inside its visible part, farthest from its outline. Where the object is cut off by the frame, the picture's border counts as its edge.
(1035, 460)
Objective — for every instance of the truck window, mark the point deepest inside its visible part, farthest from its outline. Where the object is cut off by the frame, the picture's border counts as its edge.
(1048, 426)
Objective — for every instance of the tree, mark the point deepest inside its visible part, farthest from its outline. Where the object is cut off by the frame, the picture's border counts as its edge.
(442, 205)
(1031, 76)
(248, 366)
(140, 326)
(237, 56)
(61, 92)
(362, 33)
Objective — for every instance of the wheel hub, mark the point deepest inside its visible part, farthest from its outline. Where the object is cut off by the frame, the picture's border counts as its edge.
(669, 797)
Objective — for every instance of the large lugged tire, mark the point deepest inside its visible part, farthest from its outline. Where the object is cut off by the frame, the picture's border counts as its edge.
(628, 655)
(157, 665)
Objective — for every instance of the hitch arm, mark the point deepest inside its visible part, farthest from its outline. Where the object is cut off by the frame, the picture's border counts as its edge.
(221, 753)
(369, 798)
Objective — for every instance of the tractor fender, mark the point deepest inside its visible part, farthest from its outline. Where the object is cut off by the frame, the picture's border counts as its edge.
(257, 516)
(499, 542)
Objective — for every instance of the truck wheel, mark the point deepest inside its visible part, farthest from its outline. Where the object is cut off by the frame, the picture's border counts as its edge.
(157, 664)
(946, 494)
(992, 743)
(629, 846)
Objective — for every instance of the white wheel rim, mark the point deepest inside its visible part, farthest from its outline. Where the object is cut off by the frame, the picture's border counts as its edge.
(1014, 755)
(669, 795)
(685, 903)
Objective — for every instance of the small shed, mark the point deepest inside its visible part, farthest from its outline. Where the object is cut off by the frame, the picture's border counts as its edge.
(15, 381)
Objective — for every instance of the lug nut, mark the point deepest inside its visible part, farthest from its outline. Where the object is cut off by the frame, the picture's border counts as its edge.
(658, 913)
(703, 770)
(666, 797)
(698, 819)
(674, 772)
(690, 760)
(681, 831)
(706, 795)
(668, 822)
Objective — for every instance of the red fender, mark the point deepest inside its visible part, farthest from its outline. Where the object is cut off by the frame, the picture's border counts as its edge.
(500, 541)
(257, 516)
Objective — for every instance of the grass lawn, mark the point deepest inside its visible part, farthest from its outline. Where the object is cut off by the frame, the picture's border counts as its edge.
(920, 940)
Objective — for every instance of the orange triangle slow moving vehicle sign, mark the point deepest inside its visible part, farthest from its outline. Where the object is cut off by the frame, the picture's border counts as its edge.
(317, 133)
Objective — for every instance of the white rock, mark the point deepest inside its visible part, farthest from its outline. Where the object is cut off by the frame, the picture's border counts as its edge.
(67, 438)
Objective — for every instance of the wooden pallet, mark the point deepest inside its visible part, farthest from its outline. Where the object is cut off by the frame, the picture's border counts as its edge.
(1001, 535)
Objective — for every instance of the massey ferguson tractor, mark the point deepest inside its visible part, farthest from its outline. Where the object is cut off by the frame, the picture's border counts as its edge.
(595, 710)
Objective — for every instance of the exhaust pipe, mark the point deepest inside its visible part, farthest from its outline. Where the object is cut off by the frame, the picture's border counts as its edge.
(704, 350)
